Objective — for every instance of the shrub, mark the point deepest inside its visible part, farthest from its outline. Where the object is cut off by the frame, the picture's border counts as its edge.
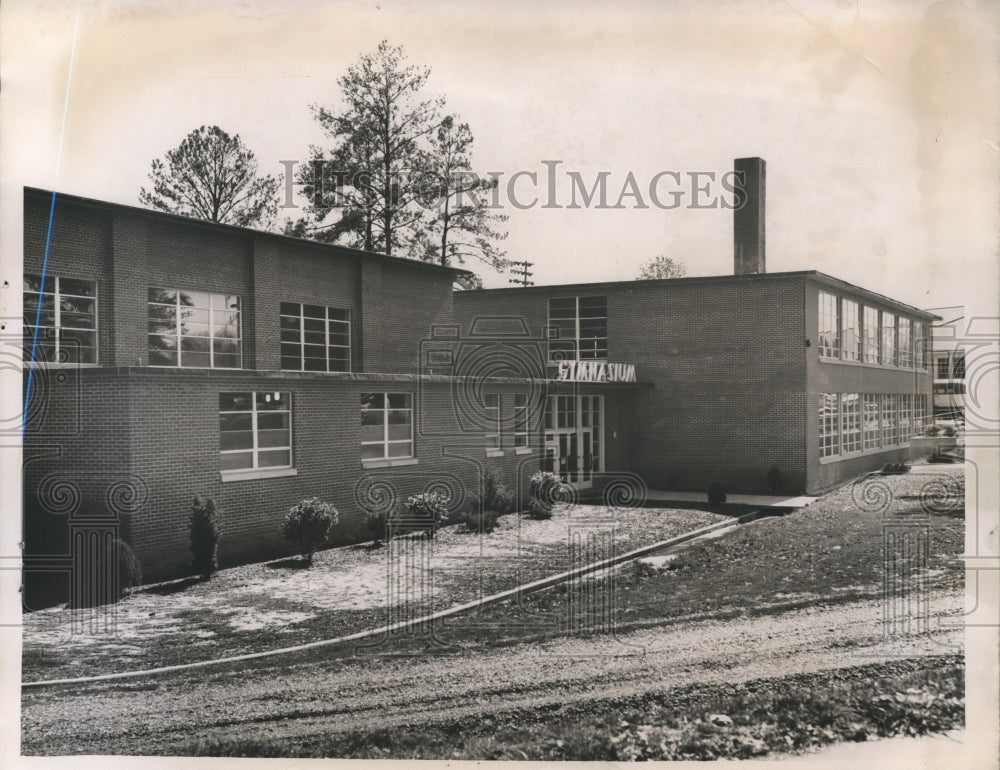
(376, 524)
(496, 497)
(716, 493)
(538, 510)
(895, 469)
(203, 528)
(111, 585)
(545, 486)
(949, 431)
(480, 521)
(775, 480)
(308, 524)
(427, 512)
(932, 430)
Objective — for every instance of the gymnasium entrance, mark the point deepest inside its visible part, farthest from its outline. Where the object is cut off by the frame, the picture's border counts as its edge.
(574, 438)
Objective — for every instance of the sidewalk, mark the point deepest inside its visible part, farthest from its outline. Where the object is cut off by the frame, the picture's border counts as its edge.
(927, 751)
(763, 501)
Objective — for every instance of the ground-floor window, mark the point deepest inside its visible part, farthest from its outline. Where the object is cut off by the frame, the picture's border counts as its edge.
(255, 430)
(862, 422)
(520, 420)
(491, 411)
(386, 425)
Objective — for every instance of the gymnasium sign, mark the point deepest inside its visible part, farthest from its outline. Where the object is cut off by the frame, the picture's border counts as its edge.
(595, 371)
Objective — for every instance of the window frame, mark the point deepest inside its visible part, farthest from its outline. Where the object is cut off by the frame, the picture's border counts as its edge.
(554, 322)
(30, 341)
(177, 326)
(888, 353)
(301, 330)
(492, 439)
(851, 431)
(520, 431)
(850, 350)
(256, 449)
(828, 316)
(829, 425)
(385, 441)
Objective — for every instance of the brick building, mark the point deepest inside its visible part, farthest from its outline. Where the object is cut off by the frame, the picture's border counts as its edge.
(175, 357)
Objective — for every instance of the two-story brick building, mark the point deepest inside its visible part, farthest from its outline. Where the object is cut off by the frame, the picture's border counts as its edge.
(171, 357)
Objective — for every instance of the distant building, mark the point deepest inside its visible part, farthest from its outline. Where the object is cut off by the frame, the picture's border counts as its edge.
(948, 363)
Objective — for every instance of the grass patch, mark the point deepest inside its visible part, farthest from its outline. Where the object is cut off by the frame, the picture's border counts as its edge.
(754, 719)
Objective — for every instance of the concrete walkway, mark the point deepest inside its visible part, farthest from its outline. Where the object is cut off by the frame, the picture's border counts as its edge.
(763, 501)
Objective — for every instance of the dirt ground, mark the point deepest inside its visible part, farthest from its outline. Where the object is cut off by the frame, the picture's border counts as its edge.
(340, 690)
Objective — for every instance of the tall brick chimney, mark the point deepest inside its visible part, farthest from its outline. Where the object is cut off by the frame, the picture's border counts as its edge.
(748, 218)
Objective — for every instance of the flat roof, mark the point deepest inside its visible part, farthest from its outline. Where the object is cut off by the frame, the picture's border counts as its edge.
(815, 275)
(331, 247)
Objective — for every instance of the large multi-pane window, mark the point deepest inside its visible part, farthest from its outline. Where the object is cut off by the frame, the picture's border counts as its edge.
(829, 325)
(491, 411)
(194, 329)
(520, 420)
(850, 408)
(870, 335)
(315, 338)
(578, 328)
(870, 420)
(919, 413)
(255, 430)
(905, 417)
(850, 335)
(888, 338)
(386, 426)
(60, 320)
(920, 344)
(829, 424)
(904, 342)
(890, 420)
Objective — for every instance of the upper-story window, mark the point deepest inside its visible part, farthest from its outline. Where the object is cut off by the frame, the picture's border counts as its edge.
(578, 328)
(315, 338)
(920, 352)
(888, 338)
(829, 325)
(904, 342)
(194, 329)
(850, 325)
(60, 320)
(869, 335)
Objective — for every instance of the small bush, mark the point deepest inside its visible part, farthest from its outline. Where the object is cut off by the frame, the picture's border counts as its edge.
(545, 487)
(716, 493)
(377, 524)
(775, 480)
(932, 430)
(112, 585)
(308, 524)
(425, 512)
(895, 469)
(480, 521)
(538, 510)
(496, 497)
(941, 457)
(949, 431)
(203, 528)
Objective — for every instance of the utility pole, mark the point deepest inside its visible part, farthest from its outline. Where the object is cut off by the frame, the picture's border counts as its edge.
(521, 269)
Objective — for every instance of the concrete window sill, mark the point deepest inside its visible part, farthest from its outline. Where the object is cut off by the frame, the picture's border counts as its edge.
(494, 453)
(523, 450)
(258, 473)
(389, 462)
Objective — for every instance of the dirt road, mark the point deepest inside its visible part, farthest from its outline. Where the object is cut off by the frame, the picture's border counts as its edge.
(330, 694)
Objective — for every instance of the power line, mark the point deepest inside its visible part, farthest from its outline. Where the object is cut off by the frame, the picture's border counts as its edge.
(521, 269)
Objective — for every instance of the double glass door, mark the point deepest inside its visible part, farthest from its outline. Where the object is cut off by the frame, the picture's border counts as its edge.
(574, 440)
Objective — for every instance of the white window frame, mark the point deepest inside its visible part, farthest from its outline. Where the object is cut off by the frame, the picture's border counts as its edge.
(888, 353)
(178, 337)
(829, 431)
(828, 316)
(385, 441)
(256, 449)
(520, 431)
(29, 335)
(850, 350)
(327, 345)
(851, 434)
(491, 411)
(577, 339)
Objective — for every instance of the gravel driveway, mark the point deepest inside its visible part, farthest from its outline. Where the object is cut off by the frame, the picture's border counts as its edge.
(329, 693)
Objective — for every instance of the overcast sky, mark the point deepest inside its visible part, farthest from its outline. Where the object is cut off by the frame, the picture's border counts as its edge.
(878, 122)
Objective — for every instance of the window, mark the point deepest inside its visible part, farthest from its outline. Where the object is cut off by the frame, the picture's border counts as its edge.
(958, 365)
(888, 339)
(905, 417)
(890, 417)
(315, 338)
(386, 425)
(520, 420)
(870, 420)
(578, 328)
(905, 342)
(851, 418)
(194, 329)
(870, 335)
(60, 320)
(255, 430)
(491, 410)
(920, 345)
(829, 424)
(850, 338)
(943, 368)
(919, 413)
(829, 325)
